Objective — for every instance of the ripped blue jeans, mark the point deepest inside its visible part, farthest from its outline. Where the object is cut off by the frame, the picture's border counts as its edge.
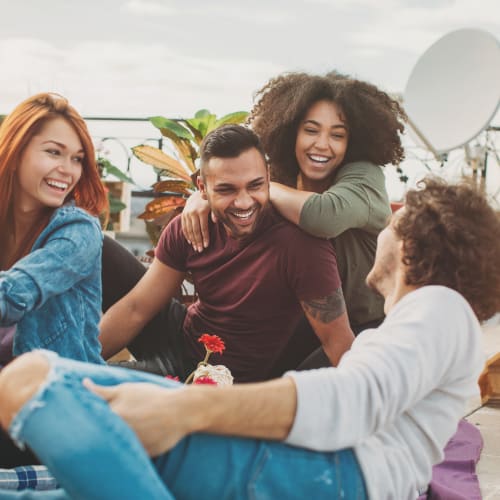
(95, 455)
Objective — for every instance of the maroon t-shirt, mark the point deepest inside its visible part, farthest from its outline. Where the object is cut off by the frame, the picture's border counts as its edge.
(249, 289)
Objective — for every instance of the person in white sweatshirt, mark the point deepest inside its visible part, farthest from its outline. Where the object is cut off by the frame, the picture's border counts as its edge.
(370, 428)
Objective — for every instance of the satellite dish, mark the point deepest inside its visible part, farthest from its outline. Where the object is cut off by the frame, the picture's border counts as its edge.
(454, 90)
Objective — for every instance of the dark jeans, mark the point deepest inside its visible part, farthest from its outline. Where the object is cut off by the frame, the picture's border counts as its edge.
(12, 456)
(159, 347)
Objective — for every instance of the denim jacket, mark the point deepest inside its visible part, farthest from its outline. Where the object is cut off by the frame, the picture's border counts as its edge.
(53, 294)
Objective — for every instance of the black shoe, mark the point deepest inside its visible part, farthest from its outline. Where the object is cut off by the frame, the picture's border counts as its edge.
(154, 366)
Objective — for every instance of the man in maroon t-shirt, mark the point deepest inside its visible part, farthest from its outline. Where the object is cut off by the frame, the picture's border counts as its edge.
(255, 281)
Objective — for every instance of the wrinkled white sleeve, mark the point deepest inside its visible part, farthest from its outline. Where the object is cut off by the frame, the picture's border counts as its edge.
(425, 340)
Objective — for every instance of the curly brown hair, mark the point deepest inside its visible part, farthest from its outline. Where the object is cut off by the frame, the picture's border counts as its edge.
(451, 237)
(374, 119)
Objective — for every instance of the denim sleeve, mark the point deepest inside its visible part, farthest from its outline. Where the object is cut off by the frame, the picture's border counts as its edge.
(68, 254)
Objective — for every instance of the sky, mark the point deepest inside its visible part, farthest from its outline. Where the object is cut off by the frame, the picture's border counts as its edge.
(139, 58)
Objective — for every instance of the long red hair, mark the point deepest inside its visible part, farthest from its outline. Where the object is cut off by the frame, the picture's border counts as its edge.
(16, 131)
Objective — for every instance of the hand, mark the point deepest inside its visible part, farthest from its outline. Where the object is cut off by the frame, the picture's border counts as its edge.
(151, 411)
(194, 221)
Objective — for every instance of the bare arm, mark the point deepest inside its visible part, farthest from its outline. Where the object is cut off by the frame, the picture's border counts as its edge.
(194, 220)
(288, 201)
(161, 417)
(124, 320)
(328, 318)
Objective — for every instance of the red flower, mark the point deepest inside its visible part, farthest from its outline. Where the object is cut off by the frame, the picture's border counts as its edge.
(171, 377)
(212, 343)
(205, 381)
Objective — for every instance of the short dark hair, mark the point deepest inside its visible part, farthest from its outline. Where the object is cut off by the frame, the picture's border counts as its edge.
(229, 141)
(374, 119)
(451, 237)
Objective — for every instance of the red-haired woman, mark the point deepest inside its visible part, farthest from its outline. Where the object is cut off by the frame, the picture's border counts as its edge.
(50, 248)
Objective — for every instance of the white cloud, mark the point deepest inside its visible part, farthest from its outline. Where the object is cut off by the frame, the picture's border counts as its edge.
(122, 79)
(149, 8)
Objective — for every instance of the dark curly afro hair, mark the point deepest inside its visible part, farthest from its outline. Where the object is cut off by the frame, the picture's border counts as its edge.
(374, 119)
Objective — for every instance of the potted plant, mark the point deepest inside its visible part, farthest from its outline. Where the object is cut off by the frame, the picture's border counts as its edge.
(177, 172)
(117, 185)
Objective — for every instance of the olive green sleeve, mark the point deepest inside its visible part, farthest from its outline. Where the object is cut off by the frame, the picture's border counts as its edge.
(357, 199)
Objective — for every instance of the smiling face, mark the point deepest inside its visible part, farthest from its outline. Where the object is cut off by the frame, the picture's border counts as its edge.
(237, 190)
(321, 145)
(50, 167)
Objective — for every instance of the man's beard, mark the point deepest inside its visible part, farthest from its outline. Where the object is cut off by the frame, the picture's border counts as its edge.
(380, 275)
(234, 229)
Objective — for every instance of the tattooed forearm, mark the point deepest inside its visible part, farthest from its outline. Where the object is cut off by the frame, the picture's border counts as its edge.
(326, 309)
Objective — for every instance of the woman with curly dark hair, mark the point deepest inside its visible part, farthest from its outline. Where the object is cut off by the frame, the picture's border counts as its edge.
(326, 138)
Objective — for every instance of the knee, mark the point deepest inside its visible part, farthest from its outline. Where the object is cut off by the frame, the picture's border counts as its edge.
(19, 381)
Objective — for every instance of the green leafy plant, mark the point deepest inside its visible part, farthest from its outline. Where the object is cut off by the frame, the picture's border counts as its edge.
(116, 205)
(177, 172)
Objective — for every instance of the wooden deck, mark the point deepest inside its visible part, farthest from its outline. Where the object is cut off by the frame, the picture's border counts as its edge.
(485, 414)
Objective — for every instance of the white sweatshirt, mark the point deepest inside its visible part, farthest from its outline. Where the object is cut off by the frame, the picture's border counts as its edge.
(398, 394)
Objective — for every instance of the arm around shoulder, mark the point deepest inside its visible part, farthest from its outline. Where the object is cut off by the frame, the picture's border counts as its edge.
(358, 192)
(288, 201)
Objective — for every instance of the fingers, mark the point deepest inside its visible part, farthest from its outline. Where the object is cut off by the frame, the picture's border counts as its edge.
(104, 392)
(197, 236)
(187, 230)
(195, 229)
(205, 238)
(194, 222)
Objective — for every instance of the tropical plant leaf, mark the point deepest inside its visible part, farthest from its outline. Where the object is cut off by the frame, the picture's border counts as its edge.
(161, 206)
(184, 147)
(203, 124)
(154, 233)
(202, 113)
(164, 219)
(188, 153)
(236, 117)
(115, 204)
(174, 126)
(173, 186)
(198, 137)
(112, 170)
(157, 158)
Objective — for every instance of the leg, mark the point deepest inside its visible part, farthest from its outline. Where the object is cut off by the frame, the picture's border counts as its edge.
(120, 273)
(319, 359)
(235, 468)
(74, 432)
(106, 460)
(11, 456)
(301, 344)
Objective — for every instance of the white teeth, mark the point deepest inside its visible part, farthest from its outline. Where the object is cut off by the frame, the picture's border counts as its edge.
(320, 159)
(57, 184)
(244, 215)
